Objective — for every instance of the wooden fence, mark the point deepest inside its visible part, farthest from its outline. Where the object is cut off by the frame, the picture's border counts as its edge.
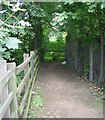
(15, 99)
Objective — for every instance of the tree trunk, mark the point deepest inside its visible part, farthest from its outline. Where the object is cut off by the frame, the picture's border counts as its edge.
(75, 55)
(101, 60)
(39, 38)
(80, 49)
(91, 63)
(67, 55)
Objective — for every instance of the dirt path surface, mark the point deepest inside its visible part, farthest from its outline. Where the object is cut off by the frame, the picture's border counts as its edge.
(65, 95)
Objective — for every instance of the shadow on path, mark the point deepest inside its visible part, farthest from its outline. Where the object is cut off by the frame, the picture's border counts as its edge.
(65, 95)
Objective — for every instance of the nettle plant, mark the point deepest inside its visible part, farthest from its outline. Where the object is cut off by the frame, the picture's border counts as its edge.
(13, 20)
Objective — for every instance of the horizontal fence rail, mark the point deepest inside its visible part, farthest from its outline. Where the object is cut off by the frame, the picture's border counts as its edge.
(15, 97)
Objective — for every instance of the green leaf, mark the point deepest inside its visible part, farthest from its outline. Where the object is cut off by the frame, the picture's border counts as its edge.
(1, 22)
(2, 49)
(5, 2)
(3, 11)
(7, 55)
(1, 57)
(103, 5)
(69, 1)
(12, 43)
(23, 23)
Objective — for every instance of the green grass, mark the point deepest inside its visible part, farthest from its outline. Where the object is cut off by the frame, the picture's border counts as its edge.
(37, 100)
(36, 104)
(54, 56)
(48, 59)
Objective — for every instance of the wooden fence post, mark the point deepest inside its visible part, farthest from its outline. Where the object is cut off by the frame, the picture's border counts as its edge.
(32, 62)
(4, 90)
(91, 63)
(13, 88)
(25, 57)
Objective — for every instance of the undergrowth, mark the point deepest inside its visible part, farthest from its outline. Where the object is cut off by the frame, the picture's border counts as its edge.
(36, 104)
(98, 91)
